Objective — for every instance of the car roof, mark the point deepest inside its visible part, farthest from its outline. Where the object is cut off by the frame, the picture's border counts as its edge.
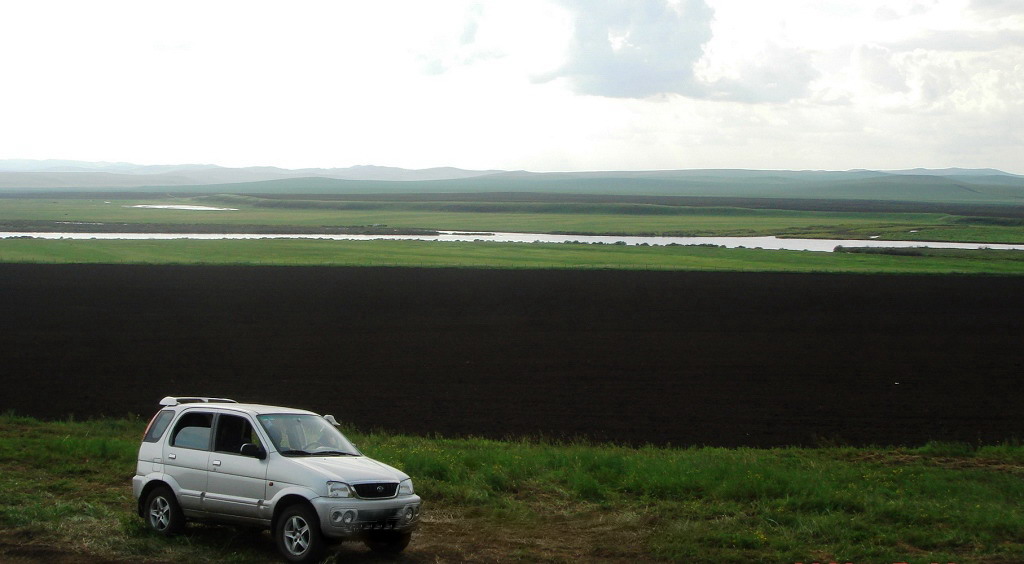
(250, 408)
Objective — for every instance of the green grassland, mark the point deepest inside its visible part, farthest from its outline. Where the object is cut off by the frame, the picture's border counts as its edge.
(961, 186)
(305, 252)
(65, 491)
(532, 213)
(534, 217)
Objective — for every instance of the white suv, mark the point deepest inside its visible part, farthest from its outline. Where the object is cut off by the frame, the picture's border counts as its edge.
(284, 469)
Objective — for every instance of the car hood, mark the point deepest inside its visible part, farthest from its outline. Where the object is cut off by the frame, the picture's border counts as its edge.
(350, 469)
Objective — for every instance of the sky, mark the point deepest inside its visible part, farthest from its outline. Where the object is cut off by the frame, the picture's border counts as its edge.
(541, 85)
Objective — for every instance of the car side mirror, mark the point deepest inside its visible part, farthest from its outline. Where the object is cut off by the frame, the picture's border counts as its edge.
(255, 451)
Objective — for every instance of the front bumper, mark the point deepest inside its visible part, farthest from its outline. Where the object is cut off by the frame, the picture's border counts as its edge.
(349, 517)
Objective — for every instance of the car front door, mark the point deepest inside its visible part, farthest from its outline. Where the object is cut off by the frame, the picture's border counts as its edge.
(237, 484)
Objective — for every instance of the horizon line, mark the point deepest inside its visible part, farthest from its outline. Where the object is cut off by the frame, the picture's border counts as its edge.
(485, 171)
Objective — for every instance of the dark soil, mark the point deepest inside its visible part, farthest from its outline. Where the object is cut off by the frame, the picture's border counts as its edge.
(662, 357)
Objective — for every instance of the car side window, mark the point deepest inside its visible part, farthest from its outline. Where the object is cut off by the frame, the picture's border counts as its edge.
(193, 431)
(233, 431)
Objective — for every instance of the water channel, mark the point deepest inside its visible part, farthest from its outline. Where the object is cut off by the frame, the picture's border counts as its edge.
(819, 245)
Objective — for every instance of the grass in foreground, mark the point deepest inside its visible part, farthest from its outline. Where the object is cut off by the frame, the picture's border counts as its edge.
(64, 489)
(303, 252)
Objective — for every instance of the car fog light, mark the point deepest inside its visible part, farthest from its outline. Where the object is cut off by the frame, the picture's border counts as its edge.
(335, 517)
(409, 513)
(348, 517)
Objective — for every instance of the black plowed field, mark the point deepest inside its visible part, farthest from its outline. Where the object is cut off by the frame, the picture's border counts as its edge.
(662, 357)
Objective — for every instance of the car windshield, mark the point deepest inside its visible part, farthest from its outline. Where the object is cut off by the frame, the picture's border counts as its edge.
(304, 435)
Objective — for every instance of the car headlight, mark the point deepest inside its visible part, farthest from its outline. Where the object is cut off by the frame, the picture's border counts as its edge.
(338, 489)
(405, 488)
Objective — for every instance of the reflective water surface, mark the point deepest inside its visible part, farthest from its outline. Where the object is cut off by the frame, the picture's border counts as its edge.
(821, 245)
(180, 207)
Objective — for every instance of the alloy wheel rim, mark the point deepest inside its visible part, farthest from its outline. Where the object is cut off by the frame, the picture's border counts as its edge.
(159, 512)
(296, 535)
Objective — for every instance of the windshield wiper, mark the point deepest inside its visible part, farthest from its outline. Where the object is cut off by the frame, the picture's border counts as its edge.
(317, 453)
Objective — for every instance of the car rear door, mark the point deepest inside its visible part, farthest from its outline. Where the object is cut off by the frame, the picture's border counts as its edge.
(187, 456)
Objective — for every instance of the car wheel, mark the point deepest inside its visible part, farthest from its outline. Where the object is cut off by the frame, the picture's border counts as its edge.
(389, 542)
(298, 535)
(163, 514)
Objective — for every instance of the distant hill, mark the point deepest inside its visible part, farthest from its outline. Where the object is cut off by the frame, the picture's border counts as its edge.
(30, 174)
(975, 186)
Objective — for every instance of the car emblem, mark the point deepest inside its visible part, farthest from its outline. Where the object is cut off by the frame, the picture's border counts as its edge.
(380, 489)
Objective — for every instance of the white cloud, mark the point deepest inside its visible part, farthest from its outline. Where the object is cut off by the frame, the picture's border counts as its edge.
(636, 49)
(877, 68)
(998, 8)
(658, 47)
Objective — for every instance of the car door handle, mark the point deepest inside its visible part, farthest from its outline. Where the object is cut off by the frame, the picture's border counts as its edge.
(172, 456)
(216, 463)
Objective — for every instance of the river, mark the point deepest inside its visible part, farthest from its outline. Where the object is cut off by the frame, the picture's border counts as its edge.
(819, 245)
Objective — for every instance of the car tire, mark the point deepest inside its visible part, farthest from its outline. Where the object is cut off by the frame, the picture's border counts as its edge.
(162, 512)
(298, 535)
(388, 542)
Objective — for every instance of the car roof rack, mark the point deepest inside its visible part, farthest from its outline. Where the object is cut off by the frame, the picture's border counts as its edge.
(171, 400)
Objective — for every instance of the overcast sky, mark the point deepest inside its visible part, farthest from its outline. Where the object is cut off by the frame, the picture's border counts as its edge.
(526, 84)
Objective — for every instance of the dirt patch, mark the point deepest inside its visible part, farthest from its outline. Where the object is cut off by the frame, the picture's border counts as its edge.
(951, 462)
(444, 536)
(583, 536)
(19, 547)
(661, 357)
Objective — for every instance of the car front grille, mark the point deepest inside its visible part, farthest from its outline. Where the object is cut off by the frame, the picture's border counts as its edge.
(376, 490)
(374, 515)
